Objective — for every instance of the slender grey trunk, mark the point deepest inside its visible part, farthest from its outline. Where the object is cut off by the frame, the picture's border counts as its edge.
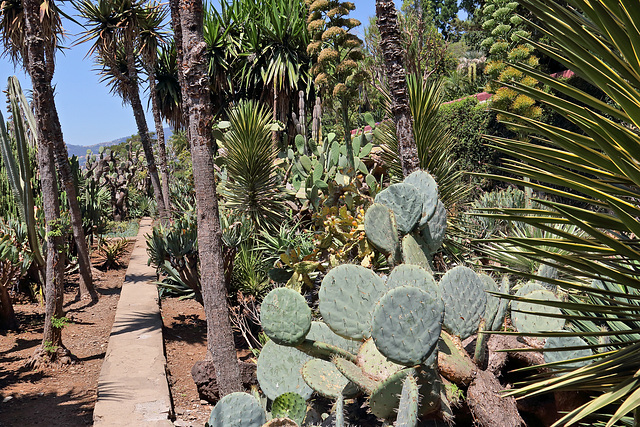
(220, 343)
(162, 150)
(44, 114)
(143, 130)
(390, 43)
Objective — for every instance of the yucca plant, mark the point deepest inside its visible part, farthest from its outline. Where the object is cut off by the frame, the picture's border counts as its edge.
(252, 188)
(596, 170)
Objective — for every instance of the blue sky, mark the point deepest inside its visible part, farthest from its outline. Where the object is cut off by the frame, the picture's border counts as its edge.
(88, 113)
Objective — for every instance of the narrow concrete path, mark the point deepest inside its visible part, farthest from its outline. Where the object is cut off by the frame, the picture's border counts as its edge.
(133, 388)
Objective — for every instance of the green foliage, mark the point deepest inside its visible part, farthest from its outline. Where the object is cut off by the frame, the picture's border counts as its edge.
(111, 251)
(597, 168)
(252, 187)
(60, 322)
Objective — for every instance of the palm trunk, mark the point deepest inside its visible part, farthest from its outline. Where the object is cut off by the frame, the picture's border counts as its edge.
(44, 113)
(162, 150)
(220, 343)
(143, 130)
(390, 42)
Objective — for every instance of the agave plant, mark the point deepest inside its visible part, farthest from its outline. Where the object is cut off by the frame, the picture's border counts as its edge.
(596, 172)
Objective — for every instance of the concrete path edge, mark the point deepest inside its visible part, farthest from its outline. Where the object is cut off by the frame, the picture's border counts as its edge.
(132, 387)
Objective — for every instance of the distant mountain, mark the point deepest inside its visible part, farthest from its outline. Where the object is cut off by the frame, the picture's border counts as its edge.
(81, 150)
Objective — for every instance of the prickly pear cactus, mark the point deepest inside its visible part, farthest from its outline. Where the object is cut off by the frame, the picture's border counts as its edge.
(385, 399)
(464, 300)
(408, 406)
(568, 348)
(321, 332)
(289, 405)
(406, 324)
(547, 272)
(346, 297)
(529, 287)
(381, 229)
(491, 309)
(374, 364)
(434, 231)
(529, 317)
(324, 378)
(428, 190)
(406, 203)
(285, 316)
(415, 251)
(237, 410)
(503, 306)
(413, 275)
(279, 371)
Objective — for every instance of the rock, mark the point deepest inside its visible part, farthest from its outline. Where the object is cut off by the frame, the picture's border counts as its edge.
(181, 423)
(6, 399)
(204, 375)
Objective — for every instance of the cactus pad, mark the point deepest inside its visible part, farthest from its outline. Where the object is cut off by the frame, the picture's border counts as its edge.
(526, 318)
(413, 275)
(381, 229)
(385, 399)
(547, 272)
(285, 316)
(561, 355)
(428, 189)
(406, 324)
(324, 378)
(408, 406)
(406, 203)
(355, 374)
(491, 309)
(374, 364)
(279, 371)
(321, 332)
(289, 405)
(529, 287)
(503, 306)
(346, 297)
(433, 232)
(281, 422)
(464, 299)
(415, 251)
(237, 410)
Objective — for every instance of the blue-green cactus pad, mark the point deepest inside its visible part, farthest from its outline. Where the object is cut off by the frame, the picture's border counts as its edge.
(346, 298)
(374, 364)
(428, 190)
(321, 332)
(385, 399)
(355, 374)
(413, 275)
(563, 342)
(529, 287)
(464, 299)
(323, 377)
(434, 231)
(406, 324)
(289, 405)
(529, 317)
(406, 203)
(408, 406)
(237, 410)
(491, 309)
(415, 251)
(279, 371)
(503, 306)
(381, 229)
(285, 316)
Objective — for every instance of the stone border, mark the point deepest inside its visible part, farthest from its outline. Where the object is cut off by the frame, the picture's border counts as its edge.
(132, 387)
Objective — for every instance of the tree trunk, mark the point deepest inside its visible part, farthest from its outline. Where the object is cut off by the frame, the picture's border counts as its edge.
(55, 138)
(44, 114)
(8, 320)
(220, 344)
(162, 150)
(390, 43)
(143, 129)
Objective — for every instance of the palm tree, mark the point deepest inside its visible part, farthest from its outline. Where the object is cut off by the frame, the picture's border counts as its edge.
(114, 25)
(168, 91)
(13, 35)
(187, 19)
(595, 170)
(38, 62)
(391, 46)
(151, 38)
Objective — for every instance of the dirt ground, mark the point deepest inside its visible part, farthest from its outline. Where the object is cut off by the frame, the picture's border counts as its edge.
(59, 395)
(185, 341)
